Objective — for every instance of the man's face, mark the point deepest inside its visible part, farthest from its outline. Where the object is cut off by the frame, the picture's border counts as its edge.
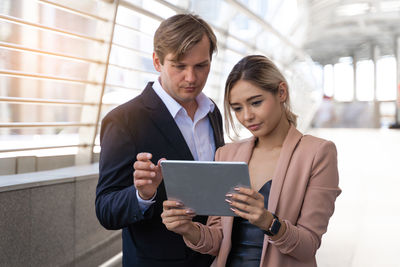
(183, 80)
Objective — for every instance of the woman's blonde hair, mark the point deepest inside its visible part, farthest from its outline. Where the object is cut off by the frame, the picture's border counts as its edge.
(262, 72)
(179, 33)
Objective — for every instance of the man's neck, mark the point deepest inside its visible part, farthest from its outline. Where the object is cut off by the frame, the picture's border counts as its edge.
(191, 108)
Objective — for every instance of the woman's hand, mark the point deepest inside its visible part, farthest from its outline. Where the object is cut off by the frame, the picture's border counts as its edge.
(249, 204)
(179, 220)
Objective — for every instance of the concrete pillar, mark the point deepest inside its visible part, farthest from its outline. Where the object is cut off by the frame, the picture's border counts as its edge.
(375, 57)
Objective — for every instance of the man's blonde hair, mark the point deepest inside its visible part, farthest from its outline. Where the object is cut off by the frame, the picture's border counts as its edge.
(179, 33)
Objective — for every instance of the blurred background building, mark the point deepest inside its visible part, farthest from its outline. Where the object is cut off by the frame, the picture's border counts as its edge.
(65, 63)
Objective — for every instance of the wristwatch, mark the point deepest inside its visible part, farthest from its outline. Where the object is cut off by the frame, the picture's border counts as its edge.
(275, 226)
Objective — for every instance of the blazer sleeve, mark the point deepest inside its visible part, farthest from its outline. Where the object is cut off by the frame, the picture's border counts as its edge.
(302, 240)
(210, 234)
(116, 202)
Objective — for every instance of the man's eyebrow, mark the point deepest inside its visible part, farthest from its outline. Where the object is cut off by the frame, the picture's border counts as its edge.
(183, 63)
(204, 62)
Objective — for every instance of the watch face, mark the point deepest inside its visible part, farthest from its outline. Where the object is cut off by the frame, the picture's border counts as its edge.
(276, 225)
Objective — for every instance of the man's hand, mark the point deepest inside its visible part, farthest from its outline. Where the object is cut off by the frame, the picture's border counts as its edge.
(146, 177)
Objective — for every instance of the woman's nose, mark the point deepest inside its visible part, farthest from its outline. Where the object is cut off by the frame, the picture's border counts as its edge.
(248, 114)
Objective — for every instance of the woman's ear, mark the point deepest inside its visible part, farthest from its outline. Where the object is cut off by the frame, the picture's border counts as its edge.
(156, 62)
(282, 92)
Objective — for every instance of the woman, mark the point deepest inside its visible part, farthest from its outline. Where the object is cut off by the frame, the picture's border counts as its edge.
(293, 177)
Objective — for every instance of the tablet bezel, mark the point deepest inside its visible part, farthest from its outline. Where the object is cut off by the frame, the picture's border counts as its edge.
(202, 185)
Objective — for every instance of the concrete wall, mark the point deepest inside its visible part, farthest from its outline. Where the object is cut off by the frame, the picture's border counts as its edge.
(48, 219)
(25, 164)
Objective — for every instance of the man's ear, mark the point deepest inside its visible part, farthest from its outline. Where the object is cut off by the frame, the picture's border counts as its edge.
(282, 92)
(156, 62)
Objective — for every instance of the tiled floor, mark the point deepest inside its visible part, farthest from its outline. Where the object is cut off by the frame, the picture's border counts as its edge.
(365, 228)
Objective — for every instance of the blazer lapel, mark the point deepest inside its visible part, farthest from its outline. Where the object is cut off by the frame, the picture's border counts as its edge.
(164, 122)
(288, 147)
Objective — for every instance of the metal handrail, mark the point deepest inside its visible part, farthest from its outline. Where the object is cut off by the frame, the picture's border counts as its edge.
(44, 124)
(134, 29)
(103, 88)
(10, 99)
(133, 49)
(140, 10)
(39, 51)
(40, 148)
(23, 48)
(52, 29)
(133, 69)
(46, 77)
(76, 11)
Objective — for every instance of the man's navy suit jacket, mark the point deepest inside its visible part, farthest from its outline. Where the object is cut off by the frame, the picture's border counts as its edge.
(143, 124)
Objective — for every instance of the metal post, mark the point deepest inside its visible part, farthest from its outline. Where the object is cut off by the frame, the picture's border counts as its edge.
(397, 56)
(96, 129)
(354, 97)
(377, 116)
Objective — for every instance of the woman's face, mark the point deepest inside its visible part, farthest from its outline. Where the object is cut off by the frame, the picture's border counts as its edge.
(258, 110)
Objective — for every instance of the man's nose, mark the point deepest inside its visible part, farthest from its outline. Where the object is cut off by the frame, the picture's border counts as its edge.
(190, 75)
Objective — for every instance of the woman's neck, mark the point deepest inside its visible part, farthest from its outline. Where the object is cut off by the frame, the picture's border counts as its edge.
(276, 137)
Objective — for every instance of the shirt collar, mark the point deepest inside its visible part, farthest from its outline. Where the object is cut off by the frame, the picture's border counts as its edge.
(205, 105)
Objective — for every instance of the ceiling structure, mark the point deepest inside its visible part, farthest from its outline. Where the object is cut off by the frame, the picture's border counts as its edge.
(340, 28)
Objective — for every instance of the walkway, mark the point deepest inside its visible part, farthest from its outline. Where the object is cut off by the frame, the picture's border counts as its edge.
(365, 229)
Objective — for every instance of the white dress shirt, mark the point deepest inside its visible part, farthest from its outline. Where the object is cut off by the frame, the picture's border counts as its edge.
(198, 133)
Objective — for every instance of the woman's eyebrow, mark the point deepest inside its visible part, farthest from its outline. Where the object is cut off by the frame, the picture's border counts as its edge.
(247, 100)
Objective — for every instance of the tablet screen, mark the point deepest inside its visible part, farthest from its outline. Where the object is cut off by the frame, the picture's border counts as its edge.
(202, 185)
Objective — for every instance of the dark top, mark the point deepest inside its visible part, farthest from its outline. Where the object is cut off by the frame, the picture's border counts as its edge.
(247, 239)
(144, 124)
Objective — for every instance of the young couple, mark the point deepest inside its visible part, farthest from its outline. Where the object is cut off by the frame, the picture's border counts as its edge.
(293, 177)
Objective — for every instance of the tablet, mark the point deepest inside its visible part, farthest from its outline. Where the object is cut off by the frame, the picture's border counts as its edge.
(202, 185)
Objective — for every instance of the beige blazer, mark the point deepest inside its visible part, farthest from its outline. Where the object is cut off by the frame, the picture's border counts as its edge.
(303, 193)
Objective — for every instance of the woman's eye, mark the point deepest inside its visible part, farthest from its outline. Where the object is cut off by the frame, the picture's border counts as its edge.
(236, 109)
(256, 103)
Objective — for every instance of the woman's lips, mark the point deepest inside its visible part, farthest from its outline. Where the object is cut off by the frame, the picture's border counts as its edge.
(254, 127)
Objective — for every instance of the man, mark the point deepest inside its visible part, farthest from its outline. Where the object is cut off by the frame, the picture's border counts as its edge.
(171, 119)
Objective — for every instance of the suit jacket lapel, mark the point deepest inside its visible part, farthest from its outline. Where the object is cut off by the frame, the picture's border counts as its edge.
(164, 122)
(215, 122)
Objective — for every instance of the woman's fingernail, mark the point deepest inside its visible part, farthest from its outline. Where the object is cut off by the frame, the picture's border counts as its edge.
(179, 204)
(153, 174)
(228, 195)
(236, 189)
(189, 211)
(233, 210)
(227, 200)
